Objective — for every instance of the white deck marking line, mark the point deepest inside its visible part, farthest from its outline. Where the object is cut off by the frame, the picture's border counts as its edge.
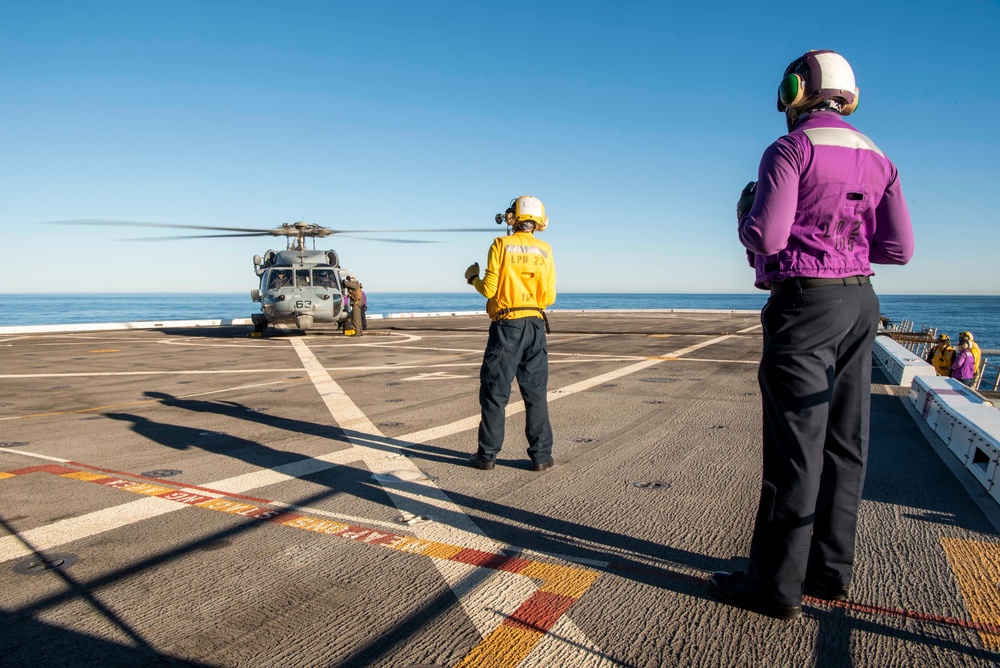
(297, 469)
(339, 369)
(484, 606)
(149, 401)
(717, 361)
(192, 372)
(239, 387)
(456, 351)
(434, 375)
(350, 418)
(84, 526)
(14, 451)
(222, 372)
(598, 356)
(344, 345)
(516, 407)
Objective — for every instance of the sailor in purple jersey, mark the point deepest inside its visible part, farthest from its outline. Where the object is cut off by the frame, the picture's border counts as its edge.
(826, 205)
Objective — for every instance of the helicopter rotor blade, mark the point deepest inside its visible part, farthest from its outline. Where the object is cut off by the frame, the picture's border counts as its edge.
(394, 241)
(200, 236)
(300, 229)
(440, 229)
(132, 223)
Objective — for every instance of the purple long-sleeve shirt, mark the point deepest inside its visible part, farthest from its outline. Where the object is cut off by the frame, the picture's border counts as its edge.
(964, 365)
(828, 205)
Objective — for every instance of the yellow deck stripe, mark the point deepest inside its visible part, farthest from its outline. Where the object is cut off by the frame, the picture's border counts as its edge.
(85, 475)
(976, 565)
(504, 646)
(562, 580)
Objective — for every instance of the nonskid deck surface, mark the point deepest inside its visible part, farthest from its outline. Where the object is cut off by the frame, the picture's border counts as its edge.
(198, 497)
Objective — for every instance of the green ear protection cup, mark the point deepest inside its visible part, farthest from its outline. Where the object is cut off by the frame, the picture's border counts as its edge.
(791, 90)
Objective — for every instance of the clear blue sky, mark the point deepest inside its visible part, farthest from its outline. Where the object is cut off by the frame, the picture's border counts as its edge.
(636, 123)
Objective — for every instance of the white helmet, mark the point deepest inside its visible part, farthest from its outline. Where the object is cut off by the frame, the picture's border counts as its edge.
(816, 76)
(530, 208)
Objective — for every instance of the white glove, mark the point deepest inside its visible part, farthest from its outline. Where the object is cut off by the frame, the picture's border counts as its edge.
(472, 273)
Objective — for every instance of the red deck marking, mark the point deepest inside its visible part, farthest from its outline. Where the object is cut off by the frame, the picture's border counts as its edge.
(173, 483)
(847, 605)
(910, 614)
(540, 612)
(510, 564)
(42, 468)
(497, 562)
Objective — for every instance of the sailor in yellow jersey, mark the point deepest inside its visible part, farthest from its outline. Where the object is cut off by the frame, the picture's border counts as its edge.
(941, 355)
(520, 281)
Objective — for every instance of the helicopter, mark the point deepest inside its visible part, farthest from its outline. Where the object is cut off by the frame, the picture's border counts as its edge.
(298, 286)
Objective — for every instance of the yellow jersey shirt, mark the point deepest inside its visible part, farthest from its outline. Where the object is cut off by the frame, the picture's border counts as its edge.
(520, 272)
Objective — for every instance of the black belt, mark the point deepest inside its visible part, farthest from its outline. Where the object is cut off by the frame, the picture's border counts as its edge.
(799, 284)
(502, 312)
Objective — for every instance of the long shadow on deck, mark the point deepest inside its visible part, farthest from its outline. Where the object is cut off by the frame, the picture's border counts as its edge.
(896, 442)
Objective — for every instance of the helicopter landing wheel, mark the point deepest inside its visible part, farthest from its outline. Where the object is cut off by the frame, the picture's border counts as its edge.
(259, 325)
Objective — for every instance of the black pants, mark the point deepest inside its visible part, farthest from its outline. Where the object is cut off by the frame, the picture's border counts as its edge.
(515, 348)
(815, 383)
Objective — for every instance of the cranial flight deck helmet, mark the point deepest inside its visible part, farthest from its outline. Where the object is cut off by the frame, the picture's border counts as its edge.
(530, 208)
(814, 77)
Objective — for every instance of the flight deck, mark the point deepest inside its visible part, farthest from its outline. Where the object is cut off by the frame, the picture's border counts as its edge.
(193, 496)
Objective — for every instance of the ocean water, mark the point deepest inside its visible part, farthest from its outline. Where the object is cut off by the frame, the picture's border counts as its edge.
(951, 314)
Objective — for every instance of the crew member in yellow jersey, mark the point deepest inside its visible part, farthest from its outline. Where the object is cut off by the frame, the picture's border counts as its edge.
(520, 281)
(942, 355)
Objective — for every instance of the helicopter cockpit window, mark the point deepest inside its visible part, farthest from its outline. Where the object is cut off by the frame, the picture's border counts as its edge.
(280, 279)
(302, 278)
(323, 278)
